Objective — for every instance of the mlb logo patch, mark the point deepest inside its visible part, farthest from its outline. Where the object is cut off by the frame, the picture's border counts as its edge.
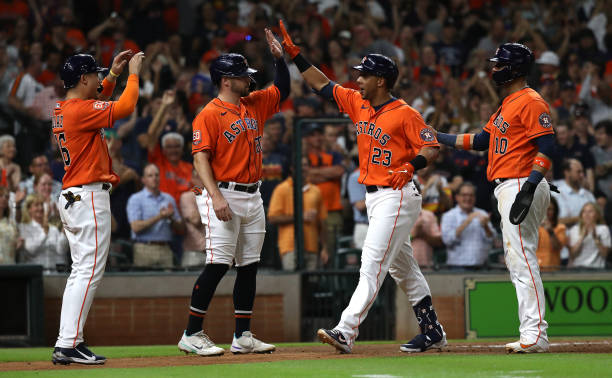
(545, 120)
(427, 135)
(100, 105)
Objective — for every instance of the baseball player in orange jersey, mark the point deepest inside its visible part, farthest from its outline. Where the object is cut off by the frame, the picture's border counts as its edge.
(228, 158)
(84, 202)
(393, 142)
(519, 137)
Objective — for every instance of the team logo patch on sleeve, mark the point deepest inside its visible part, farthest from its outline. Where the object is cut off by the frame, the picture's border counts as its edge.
(196, 138)
(427, 135)
(545, 120)
(100, 105)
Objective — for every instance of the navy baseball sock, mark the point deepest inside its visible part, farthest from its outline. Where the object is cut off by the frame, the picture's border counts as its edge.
(426, 315)
(203, 291)
(244, 296)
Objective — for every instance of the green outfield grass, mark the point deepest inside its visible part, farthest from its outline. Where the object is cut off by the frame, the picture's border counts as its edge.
(434, 365)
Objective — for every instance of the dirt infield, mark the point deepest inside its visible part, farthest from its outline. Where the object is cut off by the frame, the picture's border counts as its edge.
(311, 352)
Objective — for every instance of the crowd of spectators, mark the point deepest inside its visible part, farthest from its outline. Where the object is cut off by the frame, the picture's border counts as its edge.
(440, 48)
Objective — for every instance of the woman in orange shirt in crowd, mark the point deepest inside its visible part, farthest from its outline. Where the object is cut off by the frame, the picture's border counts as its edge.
(553, 237)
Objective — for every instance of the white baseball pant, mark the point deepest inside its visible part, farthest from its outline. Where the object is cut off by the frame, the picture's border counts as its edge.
(87, 224)
(239, 239)
(520, 244)
(392, 214)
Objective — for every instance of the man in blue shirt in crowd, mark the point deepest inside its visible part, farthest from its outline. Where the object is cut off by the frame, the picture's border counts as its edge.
(153, 217)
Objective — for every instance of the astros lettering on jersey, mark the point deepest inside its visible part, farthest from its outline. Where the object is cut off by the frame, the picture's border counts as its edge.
(223, 128)
(523, 116)
(386, 138)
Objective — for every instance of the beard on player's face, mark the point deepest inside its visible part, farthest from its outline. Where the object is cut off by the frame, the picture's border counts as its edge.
(240, 86)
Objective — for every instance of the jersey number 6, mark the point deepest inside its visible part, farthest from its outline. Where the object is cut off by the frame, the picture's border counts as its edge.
(61, 138)
(386, 154)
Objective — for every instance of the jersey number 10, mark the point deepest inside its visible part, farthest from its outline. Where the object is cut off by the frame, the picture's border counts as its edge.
(61, 139)
(501, 145)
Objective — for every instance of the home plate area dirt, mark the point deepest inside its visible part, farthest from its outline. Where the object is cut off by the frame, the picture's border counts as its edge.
(311, 352)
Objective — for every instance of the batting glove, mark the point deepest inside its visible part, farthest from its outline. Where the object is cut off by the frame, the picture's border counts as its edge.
(288, 45)
(522, 202)
(400, 178)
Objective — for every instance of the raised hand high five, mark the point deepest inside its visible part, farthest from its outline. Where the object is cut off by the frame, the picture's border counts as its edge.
(288, 45)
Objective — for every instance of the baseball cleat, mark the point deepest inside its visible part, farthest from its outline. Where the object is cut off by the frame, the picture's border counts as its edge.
(200, 344)
(334, 338)
(248, 344)
(518, 347)
(433, 339)
(79, 354)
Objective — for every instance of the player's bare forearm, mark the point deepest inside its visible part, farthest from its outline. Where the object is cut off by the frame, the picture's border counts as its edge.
(315, 78)
(429, 153)
(202, 165)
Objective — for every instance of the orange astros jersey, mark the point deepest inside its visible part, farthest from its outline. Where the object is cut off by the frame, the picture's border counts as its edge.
(77, 128)
(233, 135)
(387, 138)
(523, 116)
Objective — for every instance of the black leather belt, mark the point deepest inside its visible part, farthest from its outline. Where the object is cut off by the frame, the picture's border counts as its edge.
(239, 187)
(105, 186)
(374, 188)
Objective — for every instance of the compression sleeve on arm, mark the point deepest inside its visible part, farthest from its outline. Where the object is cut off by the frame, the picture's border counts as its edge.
(481, 141)
(447, 139)
(327, 92)
(127, 102)
(108, 88)
(546, 144)
(281, 78)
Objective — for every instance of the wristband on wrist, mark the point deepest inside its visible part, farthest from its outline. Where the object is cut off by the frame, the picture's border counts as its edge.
(418, 162)
(112, 73)
(301, 63)
(542, 161)
(467, 143)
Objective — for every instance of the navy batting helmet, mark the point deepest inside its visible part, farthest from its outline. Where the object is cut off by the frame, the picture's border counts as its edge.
(379, 65)
(516, 60)
(77, 65)
(230, 65)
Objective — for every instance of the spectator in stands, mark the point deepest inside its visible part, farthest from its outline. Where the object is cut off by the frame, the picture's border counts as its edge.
(589, 240)
(567, 146)
(325, 172)
(129, 183)
(43, 186)
(565, 104)
(356, 194)
(10, 173)
(110, 37)
(467, 232)
(38, 166)
(548, 64)
(8, 73)
(44, 244)
(551, 240)
(435, 190)
(602, 153)
(573, 195)
(280, 213)
(581, 125)
(153, 217)
(600, 106)
(194, 242)
(424, 237)
(175, 174)
(9, 235)
(274, 167)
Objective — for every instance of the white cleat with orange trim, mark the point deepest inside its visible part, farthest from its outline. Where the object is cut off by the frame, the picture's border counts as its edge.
(518, 347)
